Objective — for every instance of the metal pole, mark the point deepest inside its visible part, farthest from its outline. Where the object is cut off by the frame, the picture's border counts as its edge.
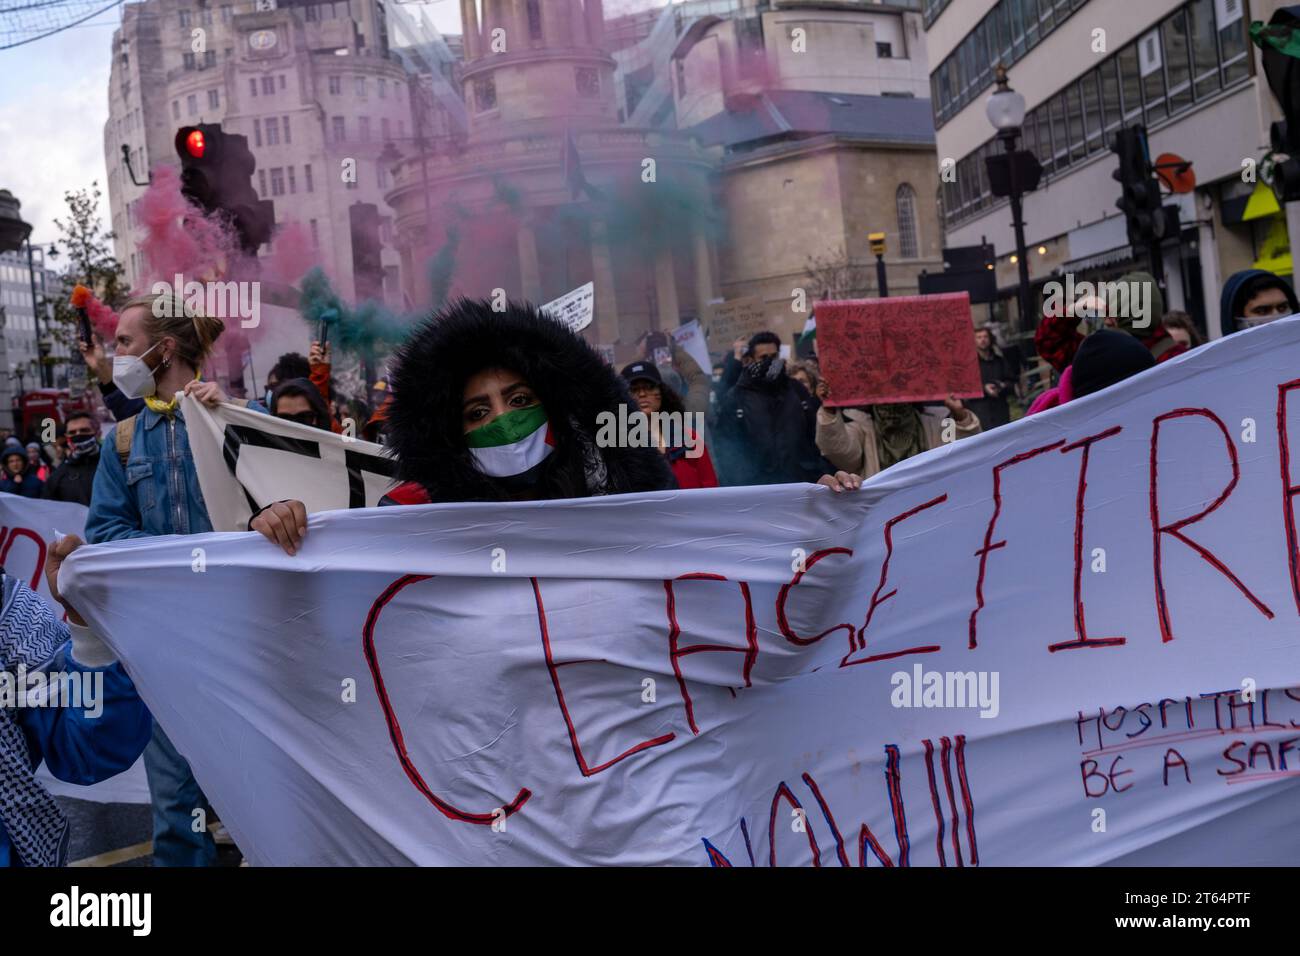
(1018, 224)
(46, 372)
(881, 281)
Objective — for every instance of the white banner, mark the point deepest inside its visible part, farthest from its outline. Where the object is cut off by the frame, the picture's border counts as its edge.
(1071, 640)
(28, 528)
(246, 460)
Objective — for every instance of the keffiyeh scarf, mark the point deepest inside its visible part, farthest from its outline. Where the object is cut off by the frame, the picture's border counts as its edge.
(30, 634)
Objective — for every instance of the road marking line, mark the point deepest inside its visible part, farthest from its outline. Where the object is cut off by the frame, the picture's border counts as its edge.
(114, 857)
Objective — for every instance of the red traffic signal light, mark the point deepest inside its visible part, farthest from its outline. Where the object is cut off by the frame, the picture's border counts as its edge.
(195, 143)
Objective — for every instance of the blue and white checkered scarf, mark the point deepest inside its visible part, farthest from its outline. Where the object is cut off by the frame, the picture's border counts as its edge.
(30, 634)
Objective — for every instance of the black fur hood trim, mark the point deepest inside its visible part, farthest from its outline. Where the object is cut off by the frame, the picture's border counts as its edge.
(425, 425)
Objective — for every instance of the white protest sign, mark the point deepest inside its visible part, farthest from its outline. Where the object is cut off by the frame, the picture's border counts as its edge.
(690, 339)
(244, 457)
(28, 527)
(1071, 640)
(574, 309)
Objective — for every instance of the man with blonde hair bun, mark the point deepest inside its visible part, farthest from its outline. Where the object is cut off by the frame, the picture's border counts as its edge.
(146, 485)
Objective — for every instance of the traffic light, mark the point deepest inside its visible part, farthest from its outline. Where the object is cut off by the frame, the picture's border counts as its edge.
(1280, 46)
(1148, 220)
(216, 175)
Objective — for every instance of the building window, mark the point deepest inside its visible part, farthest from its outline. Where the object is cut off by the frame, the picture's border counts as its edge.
(336, 85)
(209, 59)
(534, 19)
(205, 16)
(1167, 70)
(268, 85)
(306, 177)
(187, 59)
(282, 81)
(214, 99)
(285, 122)
(227, 53)
(588, 81)
(361, 86)
(315, 234)
(261, 182)
(382, 175)
(905, 200)
(185, 19)
(485, 94)
(191, 104)
(383, 88)
(384, 128)
(365, 129)
(272, 131)
(176, 109)
(885, 51)
(340, 129)
(277, 181)
(227, 13)
(257, 132)
(293, 182)
(252, 86)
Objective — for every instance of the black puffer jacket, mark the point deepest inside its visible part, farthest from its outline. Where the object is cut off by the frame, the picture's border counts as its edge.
(425, 425)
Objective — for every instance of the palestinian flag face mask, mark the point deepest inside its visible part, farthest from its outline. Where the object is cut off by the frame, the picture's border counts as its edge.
(512, 444)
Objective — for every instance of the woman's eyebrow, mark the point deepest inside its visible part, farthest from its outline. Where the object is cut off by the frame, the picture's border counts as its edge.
(474, 400)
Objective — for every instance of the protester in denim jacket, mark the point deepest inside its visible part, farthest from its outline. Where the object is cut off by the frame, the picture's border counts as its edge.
(160, 347)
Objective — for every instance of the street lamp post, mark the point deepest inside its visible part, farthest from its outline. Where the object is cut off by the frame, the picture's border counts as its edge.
(1014, 173)
(43, 346)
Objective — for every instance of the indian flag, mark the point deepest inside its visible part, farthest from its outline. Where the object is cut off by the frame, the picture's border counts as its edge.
(513, 443)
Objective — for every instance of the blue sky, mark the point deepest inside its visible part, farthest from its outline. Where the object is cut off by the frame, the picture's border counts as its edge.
(54, 102)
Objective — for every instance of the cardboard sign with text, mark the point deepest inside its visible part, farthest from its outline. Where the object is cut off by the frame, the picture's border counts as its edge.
(907, 349)
(735, 319)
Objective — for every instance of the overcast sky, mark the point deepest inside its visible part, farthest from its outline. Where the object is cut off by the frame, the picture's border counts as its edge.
(54, 103)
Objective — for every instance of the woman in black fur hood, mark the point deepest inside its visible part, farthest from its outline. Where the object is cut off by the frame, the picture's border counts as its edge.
(461, 374)
(497, 406)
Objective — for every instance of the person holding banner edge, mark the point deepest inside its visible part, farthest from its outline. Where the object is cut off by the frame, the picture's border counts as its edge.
(146, 485)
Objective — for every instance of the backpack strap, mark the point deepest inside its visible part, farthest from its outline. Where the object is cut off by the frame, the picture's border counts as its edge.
(123, 432)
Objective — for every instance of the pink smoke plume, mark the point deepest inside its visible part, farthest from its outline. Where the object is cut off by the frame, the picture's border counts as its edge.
(291, 254)
(103, 320)
(180, 239)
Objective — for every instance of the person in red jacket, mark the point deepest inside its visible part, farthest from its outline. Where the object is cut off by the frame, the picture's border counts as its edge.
(652, 395)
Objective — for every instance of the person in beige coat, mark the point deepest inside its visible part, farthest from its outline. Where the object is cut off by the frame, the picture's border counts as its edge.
(866, 441)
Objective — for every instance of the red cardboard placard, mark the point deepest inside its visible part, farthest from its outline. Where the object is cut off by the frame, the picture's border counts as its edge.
(917, 348)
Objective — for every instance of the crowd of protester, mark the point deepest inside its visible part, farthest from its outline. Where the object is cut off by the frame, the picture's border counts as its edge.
(484, 405)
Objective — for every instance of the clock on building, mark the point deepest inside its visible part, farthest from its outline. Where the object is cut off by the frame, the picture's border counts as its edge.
(262, 39)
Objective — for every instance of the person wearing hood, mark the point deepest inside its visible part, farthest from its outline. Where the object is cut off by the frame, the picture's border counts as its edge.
(75, 478)
(770, 421)
(1254, 297)
(1105, 358)
(501, 406)
(1058, 338)
(78, 745)
(19, 477)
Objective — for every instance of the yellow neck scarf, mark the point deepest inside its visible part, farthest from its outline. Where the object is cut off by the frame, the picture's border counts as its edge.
(155, 404)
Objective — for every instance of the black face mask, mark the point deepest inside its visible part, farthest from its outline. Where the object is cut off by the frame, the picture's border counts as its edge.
(767, 371)
(302, 418)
